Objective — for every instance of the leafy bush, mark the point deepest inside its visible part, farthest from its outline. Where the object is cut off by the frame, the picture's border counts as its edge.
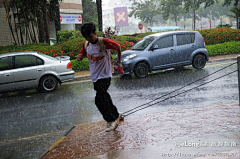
(71, 44)
(71, 47)
(80, 65)
(224, 26)
(64, 35)
(220, 35)
(232, 47)
(108, 32)
(126, 42)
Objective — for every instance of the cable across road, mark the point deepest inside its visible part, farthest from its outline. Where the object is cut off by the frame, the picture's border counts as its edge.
(151, 103)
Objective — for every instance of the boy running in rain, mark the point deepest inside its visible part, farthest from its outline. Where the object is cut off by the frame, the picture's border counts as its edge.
(101, 72)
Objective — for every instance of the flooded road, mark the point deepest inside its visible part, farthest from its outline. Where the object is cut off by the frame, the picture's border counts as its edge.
(32, 121)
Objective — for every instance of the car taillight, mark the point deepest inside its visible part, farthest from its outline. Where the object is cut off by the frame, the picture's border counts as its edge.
(203, 41)
(69, 65)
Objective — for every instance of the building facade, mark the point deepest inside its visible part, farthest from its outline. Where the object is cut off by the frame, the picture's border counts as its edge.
(109, 16)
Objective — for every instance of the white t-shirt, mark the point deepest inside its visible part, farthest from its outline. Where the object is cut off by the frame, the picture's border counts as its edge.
(102, 68)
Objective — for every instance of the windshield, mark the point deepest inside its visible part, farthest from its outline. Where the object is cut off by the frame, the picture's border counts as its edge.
(143, 43)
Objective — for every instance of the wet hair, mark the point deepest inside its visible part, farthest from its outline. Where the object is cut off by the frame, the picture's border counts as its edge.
(87, 29)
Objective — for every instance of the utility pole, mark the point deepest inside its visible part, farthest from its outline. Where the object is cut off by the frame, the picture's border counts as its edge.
(99, 10)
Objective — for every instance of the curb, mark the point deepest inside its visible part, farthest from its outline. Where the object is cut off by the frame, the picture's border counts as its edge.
(57, 142)
(222, 60)
(87, 77)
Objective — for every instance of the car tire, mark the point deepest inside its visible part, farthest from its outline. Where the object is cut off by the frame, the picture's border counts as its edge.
(199, 61)
(48, 84)
(141, 70)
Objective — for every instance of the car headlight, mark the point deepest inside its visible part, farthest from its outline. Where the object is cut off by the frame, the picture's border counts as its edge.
(129, 57)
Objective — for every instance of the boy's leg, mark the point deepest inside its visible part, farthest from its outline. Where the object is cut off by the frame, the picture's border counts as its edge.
(103, 100)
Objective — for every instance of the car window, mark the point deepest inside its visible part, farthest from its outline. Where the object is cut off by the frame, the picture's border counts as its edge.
(27, 60)
(183, 39)
(164, 42)
(6, 63)
(49, 57)
(143, 43)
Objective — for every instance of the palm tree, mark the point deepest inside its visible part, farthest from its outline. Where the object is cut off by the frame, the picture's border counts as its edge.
(236, 12)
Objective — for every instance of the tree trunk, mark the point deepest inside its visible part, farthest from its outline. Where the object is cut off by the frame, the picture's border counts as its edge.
(19, 25)
(55, 8)
(44, 20)
(176, 21)
(238, 21)
(8, 19)
(99, 10)
(40, 28)
(194, 19)
(210, 23)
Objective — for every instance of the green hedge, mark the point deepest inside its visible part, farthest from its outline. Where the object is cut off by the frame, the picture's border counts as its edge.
(70, 43)
(220, 35)
(232, 47)
(64, 35)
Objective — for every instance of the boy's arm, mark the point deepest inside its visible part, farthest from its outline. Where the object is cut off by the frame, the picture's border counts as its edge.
(115, 46)
(81, 54)
(119, 56)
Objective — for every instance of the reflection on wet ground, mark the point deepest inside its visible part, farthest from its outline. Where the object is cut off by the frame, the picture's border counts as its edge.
(38, 119)
(153, 129)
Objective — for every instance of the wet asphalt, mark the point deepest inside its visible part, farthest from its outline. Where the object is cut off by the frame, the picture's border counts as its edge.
(31, 122)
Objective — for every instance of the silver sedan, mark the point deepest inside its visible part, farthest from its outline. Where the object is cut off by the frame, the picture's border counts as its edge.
(25, 70)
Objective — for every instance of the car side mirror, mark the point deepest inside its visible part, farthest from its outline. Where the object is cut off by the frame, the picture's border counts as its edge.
(154, 47)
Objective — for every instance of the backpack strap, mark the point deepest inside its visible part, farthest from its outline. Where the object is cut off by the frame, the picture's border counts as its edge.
(100, 40)
(102, 45)
(85, 46)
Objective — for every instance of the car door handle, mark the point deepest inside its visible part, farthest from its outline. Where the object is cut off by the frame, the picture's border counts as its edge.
(193, 46)
(39, 70)
(7, 75)
(172, 50)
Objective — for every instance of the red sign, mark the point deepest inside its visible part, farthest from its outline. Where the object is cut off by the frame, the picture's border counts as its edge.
(60, 18)
(140, 26)
(79, 18)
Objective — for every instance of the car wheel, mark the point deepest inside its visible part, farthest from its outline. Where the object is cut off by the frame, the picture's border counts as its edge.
(48, 84)
(199, 61)
(141, 70)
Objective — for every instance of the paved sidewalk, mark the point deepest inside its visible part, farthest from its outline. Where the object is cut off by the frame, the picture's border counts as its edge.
(209, 132)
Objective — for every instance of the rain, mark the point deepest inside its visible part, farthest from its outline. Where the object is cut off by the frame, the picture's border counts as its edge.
(164, 117)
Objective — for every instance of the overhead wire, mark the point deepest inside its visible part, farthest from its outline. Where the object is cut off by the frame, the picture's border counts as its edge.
(131, 111)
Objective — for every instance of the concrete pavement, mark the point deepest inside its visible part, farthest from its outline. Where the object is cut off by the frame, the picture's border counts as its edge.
(209, 132)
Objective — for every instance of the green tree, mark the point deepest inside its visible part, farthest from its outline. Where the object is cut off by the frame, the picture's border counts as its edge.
(30, 19)
(228, 2)
(193, 5)
(236, 12)
(89, 11)
(172, 9)
(146, 10)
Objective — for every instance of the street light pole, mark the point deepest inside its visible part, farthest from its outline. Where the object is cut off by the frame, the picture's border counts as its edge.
(99, 11)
